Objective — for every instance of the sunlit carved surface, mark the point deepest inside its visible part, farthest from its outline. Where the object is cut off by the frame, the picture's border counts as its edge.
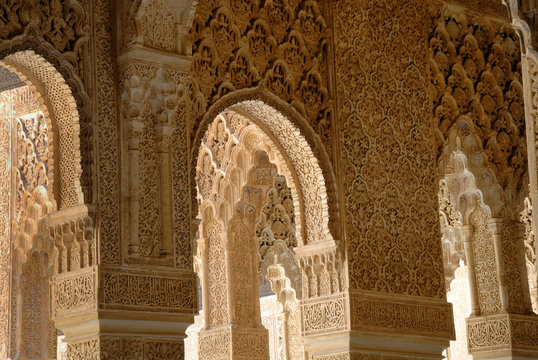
(26, 199)
(362, 161)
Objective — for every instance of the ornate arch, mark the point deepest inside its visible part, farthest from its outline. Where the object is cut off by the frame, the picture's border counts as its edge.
(297, 146)
(62, 119)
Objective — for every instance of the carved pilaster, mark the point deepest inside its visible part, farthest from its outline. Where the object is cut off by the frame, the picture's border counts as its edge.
(508, 236)
(133, 109)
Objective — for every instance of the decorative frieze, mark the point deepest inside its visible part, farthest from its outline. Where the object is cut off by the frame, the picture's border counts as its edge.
(402, 314)
(324, 314)
(357, 356)
(503, 331)
(87, 349)
(234, 343)
(74, 292)
(123, 348)
(157, 293)
(215, 344)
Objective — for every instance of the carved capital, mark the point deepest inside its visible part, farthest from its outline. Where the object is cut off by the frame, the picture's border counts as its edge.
(467, 233)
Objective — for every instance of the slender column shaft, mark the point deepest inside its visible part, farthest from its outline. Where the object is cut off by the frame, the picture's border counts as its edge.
(134, 128)
(229, 287)
(202, 245)
(164, 133)
(495, 226)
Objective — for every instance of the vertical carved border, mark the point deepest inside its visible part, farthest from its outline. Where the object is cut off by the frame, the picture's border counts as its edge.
(5, 247)
(107, 133)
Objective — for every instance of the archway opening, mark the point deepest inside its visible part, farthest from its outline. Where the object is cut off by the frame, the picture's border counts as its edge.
(26, 197)
(252, 201)
(40, 194)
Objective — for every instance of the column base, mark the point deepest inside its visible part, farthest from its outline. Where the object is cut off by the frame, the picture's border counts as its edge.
(503, 336)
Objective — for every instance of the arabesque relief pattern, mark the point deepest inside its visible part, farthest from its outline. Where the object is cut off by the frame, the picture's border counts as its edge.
(107, 135)
(234, 167)
(283, 43)
(385, 131)
(25, 305)
(398, 93)
(5, 234)
(60, 31)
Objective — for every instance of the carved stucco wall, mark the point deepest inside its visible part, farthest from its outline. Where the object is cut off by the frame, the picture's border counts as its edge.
(386, 131)
(60, 33)
(283, 45)
(302, 40)
(28, 262)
